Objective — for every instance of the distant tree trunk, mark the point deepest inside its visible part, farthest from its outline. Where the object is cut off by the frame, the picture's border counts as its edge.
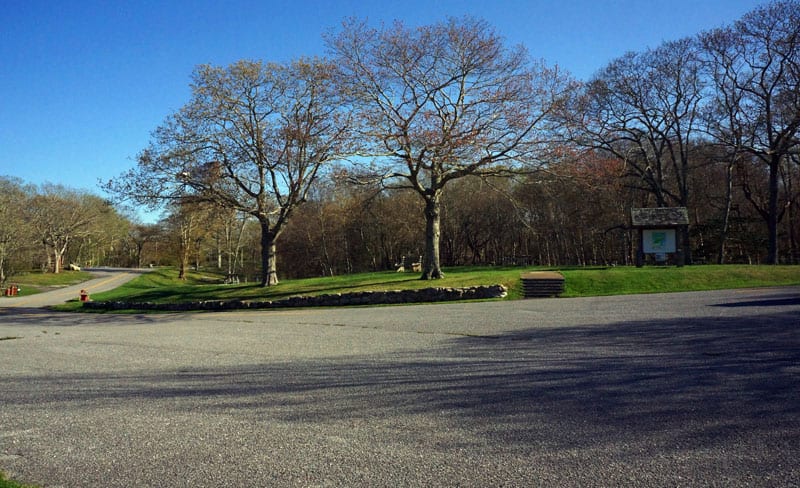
(726, 215)
(773, 216)
(49, 265)
(139, 250)
(59, 249)
(57, 263)
(769, 212)
(184, 250)
(219, 254)
(431, 269)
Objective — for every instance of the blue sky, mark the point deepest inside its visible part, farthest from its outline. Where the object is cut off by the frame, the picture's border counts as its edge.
(83, 83)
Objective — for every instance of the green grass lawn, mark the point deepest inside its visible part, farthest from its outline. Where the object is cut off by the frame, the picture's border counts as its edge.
(32, 282)
(162, 285)
(6, 483)
(631, 280)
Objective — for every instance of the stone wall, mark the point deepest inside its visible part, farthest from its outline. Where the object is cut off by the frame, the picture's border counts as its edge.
(425, 295)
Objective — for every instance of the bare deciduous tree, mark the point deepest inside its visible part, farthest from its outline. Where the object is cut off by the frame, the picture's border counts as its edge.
(186, 223)
(140, 235)
(755, 68)
(644, 108)
(59, 216)
(253, 138)
(441, 102)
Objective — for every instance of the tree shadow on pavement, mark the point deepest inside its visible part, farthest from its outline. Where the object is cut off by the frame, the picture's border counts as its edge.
(41, 317)
(698, 382)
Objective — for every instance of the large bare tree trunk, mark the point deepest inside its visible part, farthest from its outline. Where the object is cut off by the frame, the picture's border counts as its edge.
(431, 269)
(269, 265)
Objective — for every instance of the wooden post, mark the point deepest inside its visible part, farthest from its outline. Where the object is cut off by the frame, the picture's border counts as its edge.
(640, 248)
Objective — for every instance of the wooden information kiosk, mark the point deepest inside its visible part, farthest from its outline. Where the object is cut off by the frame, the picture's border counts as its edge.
(660, 233)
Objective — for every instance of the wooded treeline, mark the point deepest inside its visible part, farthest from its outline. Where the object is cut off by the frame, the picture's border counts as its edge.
(440, 145)
(49, 227)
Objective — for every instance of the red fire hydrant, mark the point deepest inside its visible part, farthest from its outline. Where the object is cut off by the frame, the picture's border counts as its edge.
(84, 296)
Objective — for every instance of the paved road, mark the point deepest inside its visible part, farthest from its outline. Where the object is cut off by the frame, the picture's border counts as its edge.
(103, 279)
(688, 389)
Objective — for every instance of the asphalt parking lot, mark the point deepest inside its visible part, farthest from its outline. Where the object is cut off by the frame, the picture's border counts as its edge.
(686, 389)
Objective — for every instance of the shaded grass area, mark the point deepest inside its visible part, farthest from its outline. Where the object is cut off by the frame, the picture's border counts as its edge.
(162, 285)
(32, 283)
